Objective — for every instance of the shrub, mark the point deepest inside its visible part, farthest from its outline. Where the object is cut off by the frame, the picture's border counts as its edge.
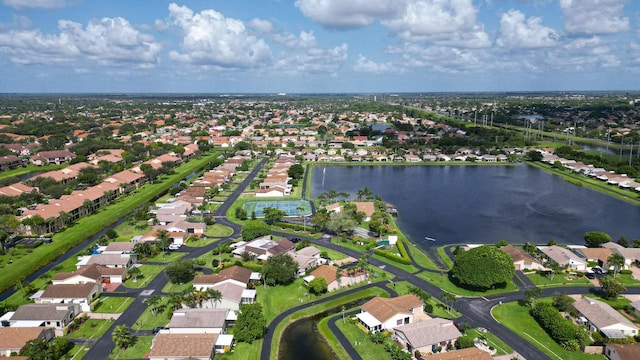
(392, 256)
(561, 330)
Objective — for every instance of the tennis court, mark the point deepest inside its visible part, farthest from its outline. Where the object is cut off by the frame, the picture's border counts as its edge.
(290, 207)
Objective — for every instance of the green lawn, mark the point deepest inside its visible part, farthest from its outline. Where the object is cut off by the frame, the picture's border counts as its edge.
(348, 244)
(330, 337)
(200, 242)
(363, 344)
(333, 254)
(113, 305)
(243, 351)
(149, 272)
(420, 257)
(90, 225)
(501, 347)
(30, 169)
(444, 257)
(517, 318)
(218, 230)
(91, 329)
(137, 351)
(442, 281)
(558, 280)
(77, 352)
(277, 299)
(408, 268)
(177, 288)
(166, 257)
(148, 321)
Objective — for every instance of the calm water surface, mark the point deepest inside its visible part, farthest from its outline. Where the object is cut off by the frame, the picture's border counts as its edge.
(485, 204)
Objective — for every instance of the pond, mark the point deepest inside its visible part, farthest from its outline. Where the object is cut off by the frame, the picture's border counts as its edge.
(485, 204)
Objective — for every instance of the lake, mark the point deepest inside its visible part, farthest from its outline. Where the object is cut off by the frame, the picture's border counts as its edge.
(485, 204)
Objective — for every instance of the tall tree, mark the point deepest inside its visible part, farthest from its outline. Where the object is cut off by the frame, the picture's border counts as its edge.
(483, 267)
(612, 287)
(251, 324)
(280, 269)
(617, 261)
(596, 238)
(122, 337)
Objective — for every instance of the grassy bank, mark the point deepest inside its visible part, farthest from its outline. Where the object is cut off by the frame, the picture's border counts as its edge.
(627, 195)
(88, 226)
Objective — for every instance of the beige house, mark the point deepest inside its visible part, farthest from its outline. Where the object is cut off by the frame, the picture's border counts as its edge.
(329, 273)
(381, 314)
(622, 351)
(12, 339)
(602, 317)
(426, 336)
(183, 346)
(522, 260)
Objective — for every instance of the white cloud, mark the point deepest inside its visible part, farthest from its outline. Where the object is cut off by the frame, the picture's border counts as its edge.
(304, 56)
(212, 39)
(442, 22)
(261, 25)
(518, 32)
(445, 59)
(363, 64)
(341, 14)
(44, 4)
(592, 17)
(106, 41)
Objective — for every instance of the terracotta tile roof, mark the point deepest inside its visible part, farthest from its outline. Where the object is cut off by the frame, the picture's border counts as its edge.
(183, 345)
(384, 308)
(366, 207)
(90, 271)
(16, 337)
(463, 354)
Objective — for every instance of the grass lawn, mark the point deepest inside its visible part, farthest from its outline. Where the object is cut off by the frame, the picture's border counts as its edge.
(90, 225)
(177, 288)
(166, 257)
(501, 347)
(444, 257)
(408, 268)
(419, 256)
(330, 337)
(277, 299)
(200, 242)
(348, 244)
(91, 329)
(367, 293)
(29, 169)
(243, 351)
(517, 318)
(218, 230)
(442, 281)
(137, 351)
(77, 352)
(149, 272)
(364, 346)
(558, 280)
(439, 308)
(129, 229)
(148, 321)
(333, 254)
(113, 305)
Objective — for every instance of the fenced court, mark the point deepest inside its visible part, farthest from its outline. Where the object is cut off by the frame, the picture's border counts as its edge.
(290, 207)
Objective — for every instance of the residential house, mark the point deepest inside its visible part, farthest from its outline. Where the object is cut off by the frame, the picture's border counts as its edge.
(273, 191)
(522, 260)
(52, 157)
(597, 255)
(307, 258)
(330, 275)
(264, 247)
(636, 307)
(9, 162)
(564, 257)
(91, 273)
(367, 207)
(183, 346)
(81, 294)
(12, 339)
(622, 351)
(17, 189)
(335, 207)
(232, 285)
(381, 314)
(631, 255)
(110, 260)
(426, 336)
(602, 317)
(200, 321)
(186, 227)
(57, 316)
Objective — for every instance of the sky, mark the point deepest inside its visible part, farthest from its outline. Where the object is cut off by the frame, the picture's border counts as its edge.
(318, 46)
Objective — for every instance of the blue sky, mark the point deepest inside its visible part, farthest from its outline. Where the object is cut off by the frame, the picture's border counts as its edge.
(307, 46)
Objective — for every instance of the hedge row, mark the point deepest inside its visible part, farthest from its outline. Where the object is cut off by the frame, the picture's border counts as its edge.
(392, 256)
(560, 329)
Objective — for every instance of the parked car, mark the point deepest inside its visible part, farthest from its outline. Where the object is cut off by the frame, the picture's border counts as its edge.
(591, 275)
(174, 246)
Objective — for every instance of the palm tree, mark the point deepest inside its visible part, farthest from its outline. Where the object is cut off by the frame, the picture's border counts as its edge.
(135, 272)
(617, 261)
(215, 296)
(339, 276)
(175, 301)
(449, 299)
(153, 302)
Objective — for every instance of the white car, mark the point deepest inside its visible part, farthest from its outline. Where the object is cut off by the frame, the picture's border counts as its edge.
(174, 246)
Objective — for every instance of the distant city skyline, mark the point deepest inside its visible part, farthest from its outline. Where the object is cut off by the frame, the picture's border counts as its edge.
(318, 46)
